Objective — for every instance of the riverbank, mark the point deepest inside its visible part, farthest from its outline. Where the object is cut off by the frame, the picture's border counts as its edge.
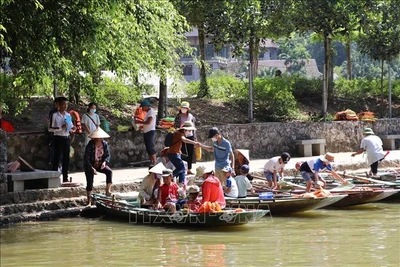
(48, 204)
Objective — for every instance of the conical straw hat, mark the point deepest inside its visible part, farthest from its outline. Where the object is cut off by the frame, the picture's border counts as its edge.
(98, 133)
(158, 169)
(245, 153)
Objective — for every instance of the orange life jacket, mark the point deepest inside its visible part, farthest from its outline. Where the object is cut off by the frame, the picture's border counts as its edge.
(77, 121)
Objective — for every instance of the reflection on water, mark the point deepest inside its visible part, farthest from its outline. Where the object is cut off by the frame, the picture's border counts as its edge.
(364, 236)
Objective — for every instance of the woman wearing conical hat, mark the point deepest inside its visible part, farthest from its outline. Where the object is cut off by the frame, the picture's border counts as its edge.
(97, 156)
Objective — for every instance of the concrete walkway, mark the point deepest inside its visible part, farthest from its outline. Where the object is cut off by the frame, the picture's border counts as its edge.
(343, 162)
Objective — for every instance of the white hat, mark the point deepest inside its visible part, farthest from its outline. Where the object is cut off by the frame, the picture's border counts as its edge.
(158, 169)
(166, 173)
(245, 153)
(98, 133)
(193, 189)
(328, 158)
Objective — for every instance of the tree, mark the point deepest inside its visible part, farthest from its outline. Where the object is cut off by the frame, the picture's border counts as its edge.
(381, 35)
(195, 13)
(63, 38)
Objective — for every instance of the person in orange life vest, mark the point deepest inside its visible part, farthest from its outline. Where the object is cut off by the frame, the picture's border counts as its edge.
(174, 151)
(183, 116)
(90, 120)
(193, 203)
(168, 192)
(97, 156)
(212, 189)
(61, 126)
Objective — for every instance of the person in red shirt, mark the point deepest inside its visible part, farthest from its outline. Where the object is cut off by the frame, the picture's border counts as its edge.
(193, 203)
(212, 189)
(168, 193)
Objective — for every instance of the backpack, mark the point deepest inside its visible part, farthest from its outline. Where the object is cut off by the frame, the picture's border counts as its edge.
(168, 139)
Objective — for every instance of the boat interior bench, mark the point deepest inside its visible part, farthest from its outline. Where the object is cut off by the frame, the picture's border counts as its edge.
(37, 179)
(389, 141)
(308, 148)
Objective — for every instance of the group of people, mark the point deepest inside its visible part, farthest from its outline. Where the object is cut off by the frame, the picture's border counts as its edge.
(97, 152)
(230, 177)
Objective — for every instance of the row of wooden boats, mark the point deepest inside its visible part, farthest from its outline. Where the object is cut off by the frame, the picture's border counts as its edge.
(241, 211)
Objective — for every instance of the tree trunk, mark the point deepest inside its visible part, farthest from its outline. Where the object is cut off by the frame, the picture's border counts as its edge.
(382, 109)
(203, 90)
(326, 76)
(162, 99)
(254, 45)
(348, 58)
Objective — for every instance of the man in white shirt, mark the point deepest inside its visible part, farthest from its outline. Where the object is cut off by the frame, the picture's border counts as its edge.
(149, 130)
(273, 169)
(372, 145)
(61, 125)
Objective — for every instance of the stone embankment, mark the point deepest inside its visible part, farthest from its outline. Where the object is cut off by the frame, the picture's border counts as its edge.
(48, 204)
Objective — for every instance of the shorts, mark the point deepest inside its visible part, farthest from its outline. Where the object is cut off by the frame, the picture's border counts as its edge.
(270, 176)
(308, 176)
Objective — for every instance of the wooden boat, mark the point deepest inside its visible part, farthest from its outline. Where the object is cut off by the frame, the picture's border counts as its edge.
(130, 211)
(358, 197)
(284, 205)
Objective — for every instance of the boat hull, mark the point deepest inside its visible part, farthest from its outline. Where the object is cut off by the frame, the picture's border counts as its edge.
(281, 206)
(135, 215)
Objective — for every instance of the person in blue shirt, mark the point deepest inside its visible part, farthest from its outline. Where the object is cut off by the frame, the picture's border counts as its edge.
(223, 153)
(310, 170)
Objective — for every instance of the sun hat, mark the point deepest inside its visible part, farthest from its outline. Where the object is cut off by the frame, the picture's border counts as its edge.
(285, 157)
(188, 125)
(98, 133)
(145, 103)
(245, 168)
(158, 169)
(328, 158)
(185, 104)
(245, 153)
(212, 132)
(193, 189)
(368, 131)
(166, 172)
(201, 170)
(227, 169)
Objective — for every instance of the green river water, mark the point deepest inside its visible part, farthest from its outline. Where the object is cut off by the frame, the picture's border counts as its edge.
(365, 235)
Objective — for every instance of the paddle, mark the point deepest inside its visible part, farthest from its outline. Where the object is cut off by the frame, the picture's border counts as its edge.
(369, 180)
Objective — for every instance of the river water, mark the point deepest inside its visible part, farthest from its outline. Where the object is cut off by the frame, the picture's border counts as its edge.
(365, 235)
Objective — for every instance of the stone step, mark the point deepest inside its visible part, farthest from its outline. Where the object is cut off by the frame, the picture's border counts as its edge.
(30, 196)
(40, 216)
(42, 206)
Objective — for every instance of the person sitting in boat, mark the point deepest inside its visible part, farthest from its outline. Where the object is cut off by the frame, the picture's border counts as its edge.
(243, 183)
(193, 203)
(168, 195)
(164, 159)
(230, 188)
(148, 191)
(273, 169)
(96, 158)
(212, 190)
(310, 170)
(242, 158)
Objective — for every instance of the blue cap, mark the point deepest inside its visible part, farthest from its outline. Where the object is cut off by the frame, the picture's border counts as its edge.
(145, 103)
(245, 168)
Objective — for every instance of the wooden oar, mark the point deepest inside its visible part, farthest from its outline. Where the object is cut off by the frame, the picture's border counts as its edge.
(368, 180)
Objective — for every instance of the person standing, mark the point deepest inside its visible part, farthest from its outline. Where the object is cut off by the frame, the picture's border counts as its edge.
(223, 153)
(174, 151)
(183, 116)
(90, 121)
(273, 169)
(96, 158)
(61, 126)
(149, 130)
(372, 145)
